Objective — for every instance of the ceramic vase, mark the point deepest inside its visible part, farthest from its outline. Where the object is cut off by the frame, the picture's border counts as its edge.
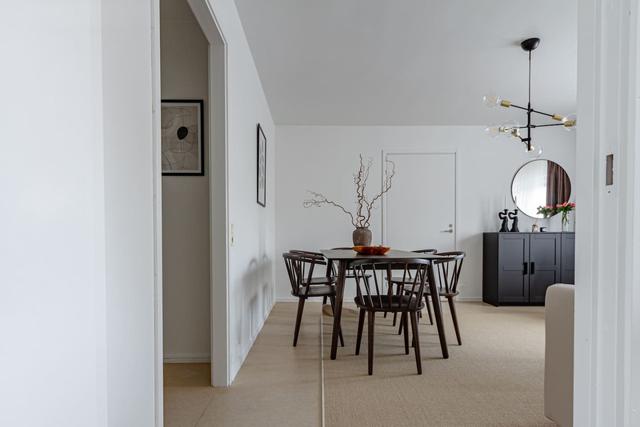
(361, 236)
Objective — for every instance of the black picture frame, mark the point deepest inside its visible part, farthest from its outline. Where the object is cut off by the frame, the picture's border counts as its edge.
(261, 167)
(200, 171)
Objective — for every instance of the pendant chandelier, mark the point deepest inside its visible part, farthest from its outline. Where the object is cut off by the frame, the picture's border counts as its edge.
(515, 129)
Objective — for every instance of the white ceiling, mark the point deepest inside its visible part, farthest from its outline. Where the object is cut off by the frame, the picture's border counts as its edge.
(409, 62)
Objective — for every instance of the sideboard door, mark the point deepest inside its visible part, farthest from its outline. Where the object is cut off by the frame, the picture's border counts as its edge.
(544, 264)
(568, 258)
(513, 275)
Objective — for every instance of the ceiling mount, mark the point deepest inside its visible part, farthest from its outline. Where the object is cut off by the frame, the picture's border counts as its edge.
(530, 44)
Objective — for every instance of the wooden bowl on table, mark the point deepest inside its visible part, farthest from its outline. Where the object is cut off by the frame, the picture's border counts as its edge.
(371, 250)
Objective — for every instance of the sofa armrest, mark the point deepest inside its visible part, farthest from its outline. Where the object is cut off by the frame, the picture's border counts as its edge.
(558, 360)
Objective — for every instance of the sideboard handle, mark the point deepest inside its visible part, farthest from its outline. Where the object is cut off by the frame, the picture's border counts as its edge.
(524, 270)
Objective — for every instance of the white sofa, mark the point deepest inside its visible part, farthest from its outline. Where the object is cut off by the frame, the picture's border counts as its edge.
(558, 360)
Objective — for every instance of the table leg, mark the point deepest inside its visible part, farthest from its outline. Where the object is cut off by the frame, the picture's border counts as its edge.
(437, 311)
(337, 315)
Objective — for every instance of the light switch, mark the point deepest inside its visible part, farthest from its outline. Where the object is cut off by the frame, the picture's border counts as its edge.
(609, 170)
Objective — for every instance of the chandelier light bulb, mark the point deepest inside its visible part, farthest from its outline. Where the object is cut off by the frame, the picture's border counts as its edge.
(512, 128)
(534, 152)
(569, 122)
(493, 131)
(491, 100)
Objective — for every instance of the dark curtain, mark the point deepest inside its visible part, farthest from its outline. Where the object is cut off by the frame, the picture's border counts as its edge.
(558, 184)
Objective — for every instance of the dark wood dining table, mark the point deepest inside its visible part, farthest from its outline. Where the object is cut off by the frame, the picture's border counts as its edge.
(344, 258)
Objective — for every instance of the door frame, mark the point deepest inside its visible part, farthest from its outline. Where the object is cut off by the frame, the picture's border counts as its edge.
(219, 196)
(383, 157)
(219, 191)
(156, 102)
(607, 301)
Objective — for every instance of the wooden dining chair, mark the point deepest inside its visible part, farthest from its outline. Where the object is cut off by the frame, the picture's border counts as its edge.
(447, 275)
(395, 281)
(330, 270)
(372, 298)
(300, 268)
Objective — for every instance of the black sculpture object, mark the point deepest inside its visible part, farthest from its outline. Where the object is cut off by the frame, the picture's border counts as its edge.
(505, 220)
(514, 216)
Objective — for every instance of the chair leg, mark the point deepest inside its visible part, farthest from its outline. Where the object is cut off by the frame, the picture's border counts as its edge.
(333, 310)
(416, 341)
(428, 303)
(298, 320)
(395, 317)
(452, 306)
(406, 332)
(324, 300)
(360, 326)
(372, 319)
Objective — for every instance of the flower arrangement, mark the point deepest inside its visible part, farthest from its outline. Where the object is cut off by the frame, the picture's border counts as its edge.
(565, 208)
(546, 211)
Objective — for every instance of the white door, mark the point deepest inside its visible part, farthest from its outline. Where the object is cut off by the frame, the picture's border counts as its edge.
(420, 210)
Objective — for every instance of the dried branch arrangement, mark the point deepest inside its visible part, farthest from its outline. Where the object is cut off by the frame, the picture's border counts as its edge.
(364, 206)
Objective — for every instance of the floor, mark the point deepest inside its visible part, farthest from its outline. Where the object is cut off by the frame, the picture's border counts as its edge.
(278, 385)
(494, 378)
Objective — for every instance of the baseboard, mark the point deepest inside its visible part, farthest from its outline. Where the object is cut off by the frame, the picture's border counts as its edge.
(187, 358)
(469, 299)
(287, 299)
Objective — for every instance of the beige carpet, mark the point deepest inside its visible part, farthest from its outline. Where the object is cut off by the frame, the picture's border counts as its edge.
(278, 384)
(494, 379)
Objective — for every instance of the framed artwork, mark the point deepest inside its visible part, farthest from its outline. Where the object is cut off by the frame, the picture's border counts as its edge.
(182, 137)
(262, 167)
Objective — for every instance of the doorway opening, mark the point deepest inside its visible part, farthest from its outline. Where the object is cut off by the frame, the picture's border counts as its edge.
(186, 192)
(191, 195)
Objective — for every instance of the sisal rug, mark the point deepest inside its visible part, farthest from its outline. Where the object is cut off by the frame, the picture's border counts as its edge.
(495, 378)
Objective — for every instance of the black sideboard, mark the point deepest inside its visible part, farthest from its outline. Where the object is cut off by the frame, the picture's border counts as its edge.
(517, 268)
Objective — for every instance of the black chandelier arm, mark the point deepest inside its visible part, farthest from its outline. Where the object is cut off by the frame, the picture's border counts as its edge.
(543, 114)
(539, 126)
(519, 107)
(547, 125)
(532, 110)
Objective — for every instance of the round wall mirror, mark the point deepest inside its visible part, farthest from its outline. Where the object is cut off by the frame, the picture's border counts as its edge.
(540, 183)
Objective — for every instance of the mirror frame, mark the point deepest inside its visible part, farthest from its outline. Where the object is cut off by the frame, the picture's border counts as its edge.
(514, 178)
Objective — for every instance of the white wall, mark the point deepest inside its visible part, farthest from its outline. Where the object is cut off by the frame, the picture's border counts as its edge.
(324, 158)
(185, 199)
(52, 309)
(251, 258)
(128, 207)
(77, 306)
